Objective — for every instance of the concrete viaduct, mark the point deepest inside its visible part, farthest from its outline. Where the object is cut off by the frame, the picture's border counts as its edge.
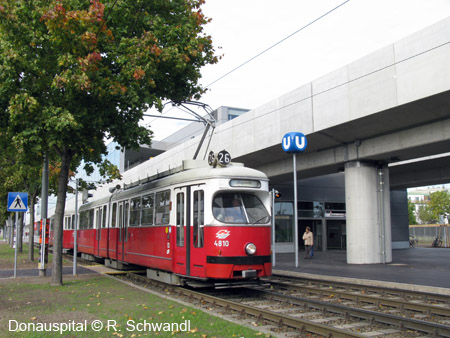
(381, 120)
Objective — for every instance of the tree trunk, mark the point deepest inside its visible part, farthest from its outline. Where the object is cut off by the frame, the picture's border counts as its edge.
(66, 158)
(31, 233)
(19, 232)
(12, 232)
(10, 229)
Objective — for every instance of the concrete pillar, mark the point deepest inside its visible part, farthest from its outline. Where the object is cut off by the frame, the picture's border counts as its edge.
(368, 234)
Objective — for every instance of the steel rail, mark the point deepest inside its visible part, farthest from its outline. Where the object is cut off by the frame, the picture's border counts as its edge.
(378, 299)
(283, 319)
(258, 313)
(402, 322)
(403, 293)
(264, 314)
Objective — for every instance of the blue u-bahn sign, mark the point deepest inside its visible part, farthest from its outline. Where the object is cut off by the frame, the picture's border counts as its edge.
(294, 142)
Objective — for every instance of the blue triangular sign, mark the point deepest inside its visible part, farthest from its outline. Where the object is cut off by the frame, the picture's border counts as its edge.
(17, 201)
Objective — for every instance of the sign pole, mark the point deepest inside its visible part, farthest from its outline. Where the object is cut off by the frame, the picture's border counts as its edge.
(44, 209)
(15, 244)
(17, 202)
(294, 143)
(75, 231)
(294, 165)
(273, 227)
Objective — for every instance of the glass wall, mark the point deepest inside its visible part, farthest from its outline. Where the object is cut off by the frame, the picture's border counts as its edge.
(312, 214)
(233, 113)
(284, 220)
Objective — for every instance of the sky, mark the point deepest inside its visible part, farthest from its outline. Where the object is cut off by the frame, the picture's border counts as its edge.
(242, 29)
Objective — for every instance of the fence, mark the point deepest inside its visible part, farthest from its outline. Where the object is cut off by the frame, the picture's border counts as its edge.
(428, 232)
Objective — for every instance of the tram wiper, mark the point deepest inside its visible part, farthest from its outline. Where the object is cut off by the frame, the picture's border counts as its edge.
(259, 220)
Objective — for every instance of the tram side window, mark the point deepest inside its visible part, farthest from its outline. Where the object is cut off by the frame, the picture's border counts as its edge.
(82, 219)
(147, 209)
(97, 219)
(73, 222)
(120, 224)
(199, 215)
(105, 208)
(69, 223)
(180, 219)
(113, 215)
(135, 211)
(162, 210)
(91, 219)
(125, 219)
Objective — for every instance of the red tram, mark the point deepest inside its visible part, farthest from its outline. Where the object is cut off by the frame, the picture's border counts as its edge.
(196, 222)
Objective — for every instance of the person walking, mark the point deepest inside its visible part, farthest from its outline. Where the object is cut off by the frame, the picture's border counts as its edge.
(309, 242)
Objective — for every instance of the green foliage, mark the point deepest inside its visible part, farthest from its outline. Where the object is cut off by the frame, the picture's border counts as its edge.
(439, 203)
(75, 72)
(70, 76)
(425, 214)
(411, 214)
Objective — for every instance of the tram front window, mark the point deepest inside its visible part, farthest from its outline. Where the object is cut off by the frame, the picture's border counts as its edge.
(239, 208)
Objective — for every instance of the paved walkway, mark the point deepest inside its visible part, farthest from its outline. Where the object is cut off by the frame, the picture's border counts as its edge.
(67, 270)
(424, 269)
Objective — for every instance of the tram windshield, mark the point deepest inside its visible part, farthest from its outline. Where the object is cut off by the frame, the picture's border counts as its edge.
(239, 208)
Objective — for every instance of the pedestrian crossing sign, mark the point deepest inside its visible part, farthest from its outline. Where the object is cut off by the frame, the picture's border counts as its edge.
(17, 201)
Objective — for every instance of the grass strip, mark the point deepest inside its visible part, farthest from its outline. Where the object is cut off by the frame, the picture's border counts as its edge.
(97, 306)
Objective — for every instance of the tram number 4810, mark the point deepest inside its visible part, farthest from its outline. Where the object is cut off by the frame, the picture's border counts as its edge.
(221, 243)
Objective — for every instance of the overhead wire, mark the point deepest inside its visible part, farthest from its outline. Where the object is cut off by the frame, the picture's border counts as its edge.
(277, 43)
(266, 50)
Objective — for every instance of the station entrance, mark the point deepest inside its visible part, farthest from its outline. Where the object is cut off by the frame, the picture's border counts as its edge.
(326, 220)
(328, 233)
(336, 234)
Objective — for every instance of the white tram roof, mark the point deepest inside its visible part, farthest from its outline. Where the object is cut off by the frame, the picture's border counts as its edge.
(189, 172)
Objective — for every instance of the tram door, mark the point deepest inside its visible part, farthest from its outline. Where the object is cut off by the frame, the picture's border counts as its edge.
(180, 231)
(123, 229)
(197, 256)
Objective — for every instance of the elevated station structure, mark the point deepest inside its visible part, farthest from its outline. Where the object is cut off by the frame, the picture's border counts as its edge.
(374, 127)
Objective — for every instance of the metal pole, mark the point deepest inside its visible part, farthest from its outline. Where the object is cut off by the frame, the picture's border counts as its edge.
(201, 141)
(273, 227)
(382, 230)
(44, 204)
(75, 231)
(294, 157)
(15, 246)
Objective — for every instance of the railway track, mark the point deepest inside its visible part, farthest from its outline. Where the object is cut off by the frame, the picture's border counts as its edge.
(427, 306)
(286, 312)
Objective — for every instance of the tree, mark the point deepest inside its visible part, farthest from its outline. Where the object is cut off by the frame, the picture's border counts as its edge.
(425, 214)
(74, 73)
(439, 203)
(18, 172)
(411, 213)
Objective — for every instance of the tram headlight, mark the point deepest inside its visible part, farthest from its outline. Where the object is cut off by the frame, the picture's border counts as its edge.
(250, 249)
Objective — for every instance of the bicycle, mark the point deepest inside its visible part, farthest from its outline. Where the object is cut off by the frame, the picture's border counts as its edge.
(413, 241)
(437, 243)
